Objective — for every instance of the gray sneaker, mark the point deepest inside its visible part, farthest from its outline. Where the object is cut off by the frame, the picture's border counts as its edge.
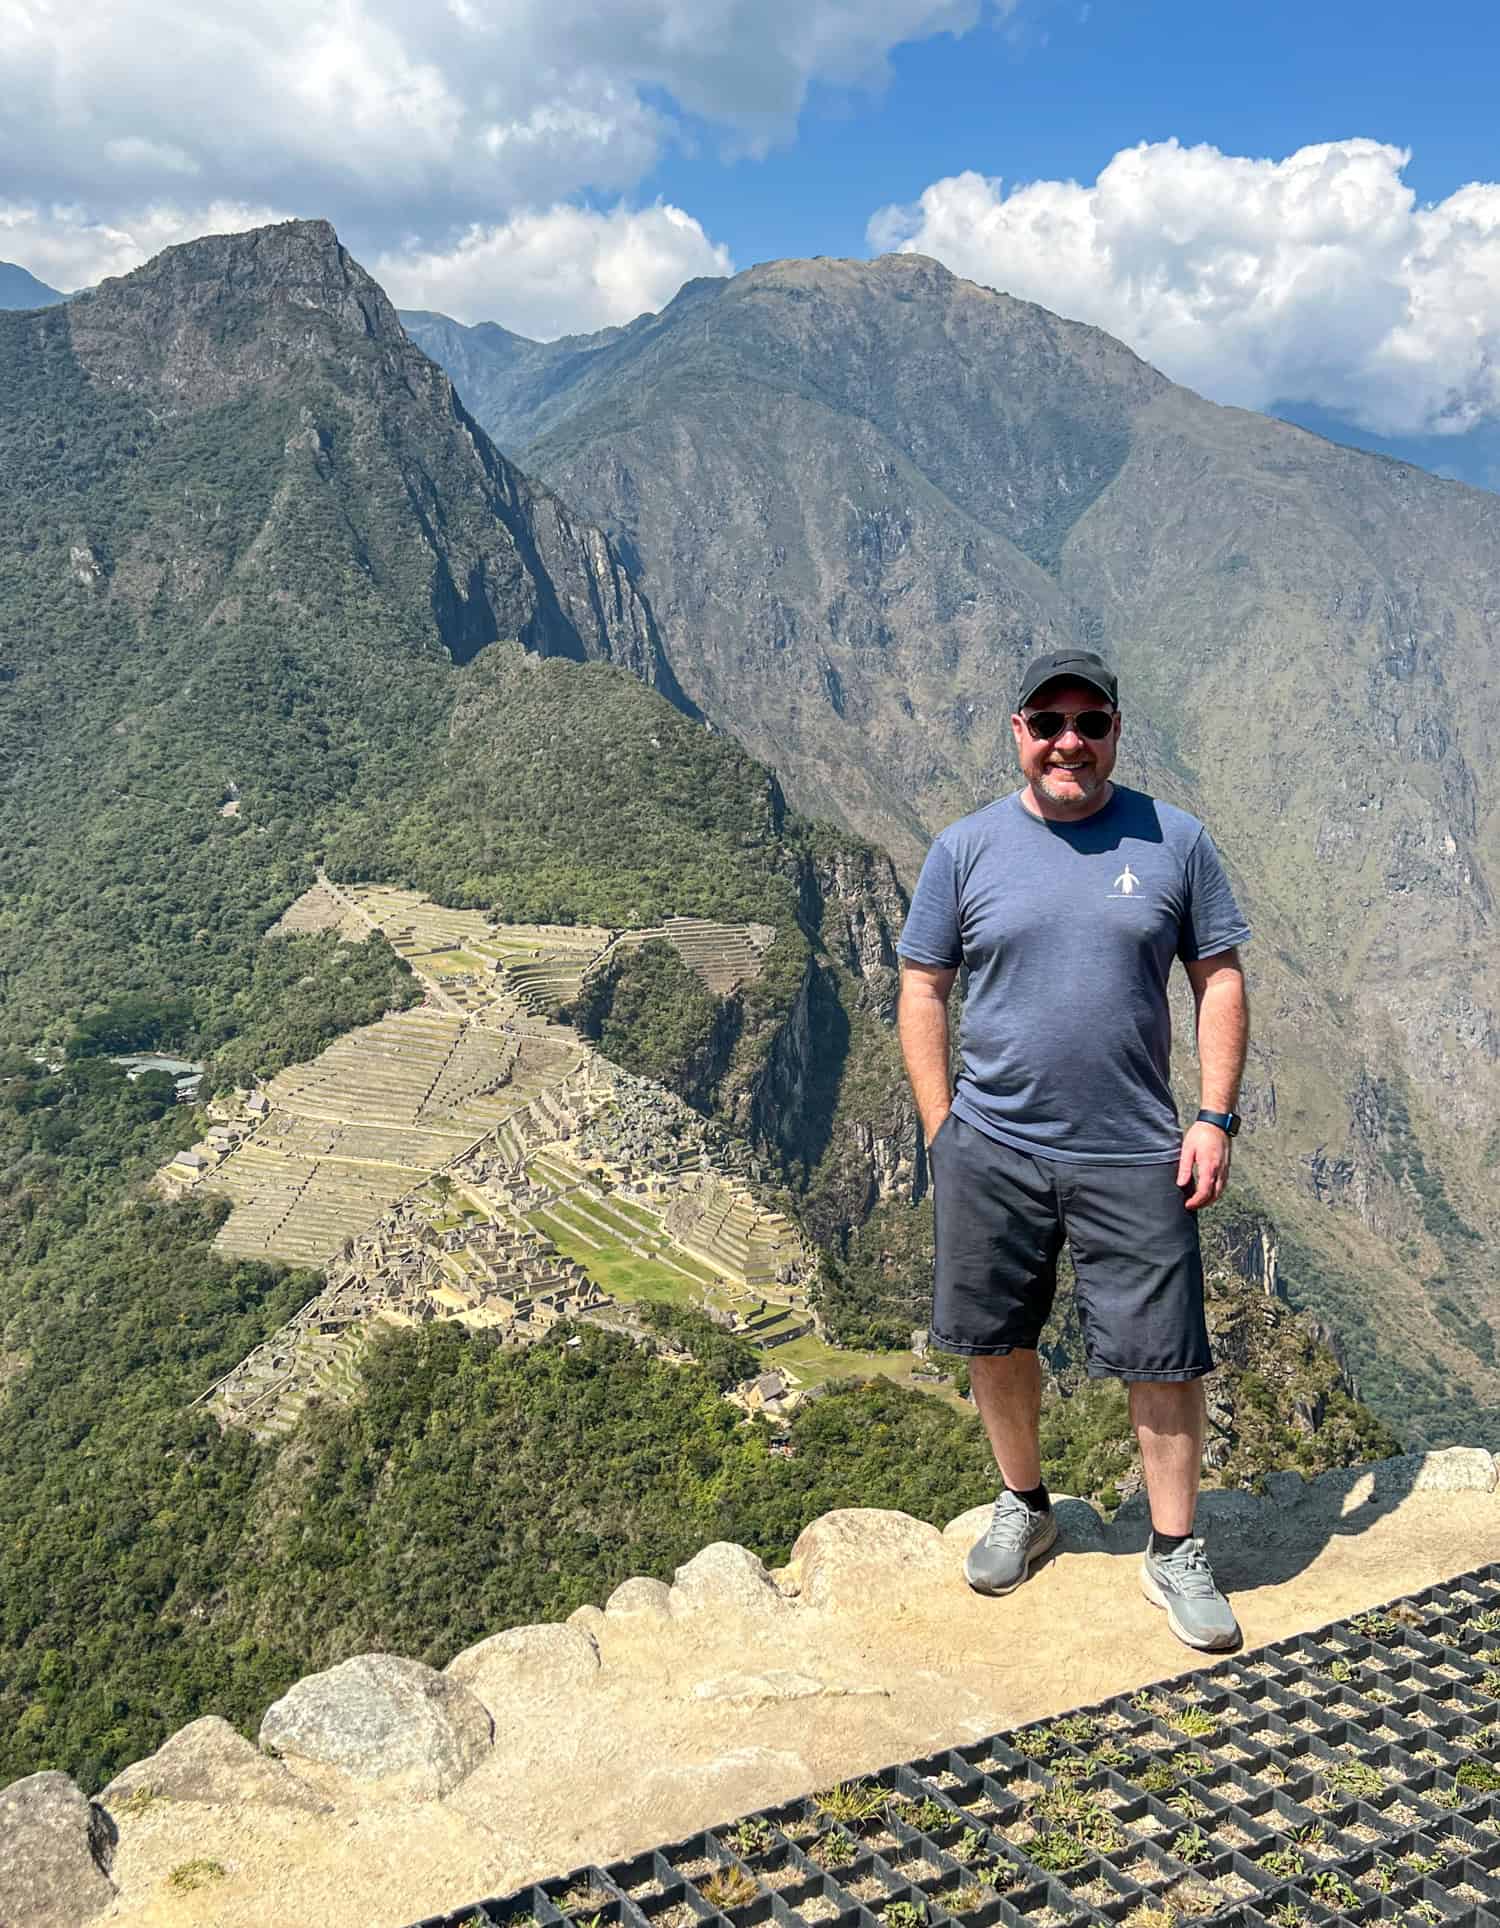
(1016, 1540)
(1183, 1583)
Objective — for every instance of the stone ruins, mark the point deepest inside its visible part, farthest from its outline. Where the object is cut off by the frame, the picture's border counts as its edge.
(474, 1159)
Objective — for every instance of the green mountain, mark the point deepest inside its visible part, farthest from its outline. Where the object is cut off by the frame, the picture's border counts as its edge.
(19, 289)
(262, 555)
(859, 494)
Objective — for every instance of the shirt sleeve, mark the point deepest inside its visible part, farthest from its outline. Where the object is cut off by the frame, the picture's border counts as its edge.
(932, 933)
(1212, 921)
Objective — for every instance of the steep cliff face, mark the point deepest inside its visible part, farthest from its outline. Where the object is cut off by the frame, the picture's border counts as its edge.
(836, 1091)
(363, 467)
(805, 1065)
(852, 896)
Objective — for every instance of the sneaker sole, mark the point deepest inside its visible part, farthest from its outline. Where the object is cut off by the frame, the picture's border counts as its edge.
(1038, 1552)
(1158, 1599)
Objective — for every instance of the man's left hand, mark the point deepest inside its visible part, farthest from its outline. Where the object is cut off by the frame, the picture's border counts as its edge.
(1204, 1165)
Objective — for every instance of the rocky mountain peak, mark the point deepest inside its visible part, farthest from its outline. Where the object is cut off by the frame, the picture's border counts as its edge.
(310, 442)
(915, 273)
(207, 318)
(918, 319)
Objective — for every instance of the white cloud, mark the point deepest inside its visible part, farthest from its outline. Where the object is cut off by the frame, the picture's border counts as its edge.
(422, 116)
(544, 273)
(562, 271)
(442, 140)
(158, 157)
(1315, 278)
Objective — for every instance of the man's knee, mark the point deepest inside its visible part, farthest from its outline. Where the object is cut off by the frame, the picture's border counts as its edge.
(1166, 1405)
(1016, 1362)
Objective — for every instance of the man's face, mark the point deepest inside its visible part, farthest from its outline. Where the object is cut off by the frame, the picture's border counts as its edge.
(1068, 769)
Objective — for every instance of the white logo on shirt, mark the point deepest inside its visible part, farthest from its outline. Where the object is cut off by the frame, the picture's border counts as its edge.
(1126, 884)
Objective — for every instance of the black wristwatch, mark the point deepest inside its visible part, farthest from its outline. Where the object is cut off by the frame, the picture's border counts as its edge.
(1227, 1121)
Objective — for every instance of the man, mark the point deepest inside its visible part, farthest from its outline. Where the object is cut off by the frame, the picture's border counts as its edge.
(1067, 902)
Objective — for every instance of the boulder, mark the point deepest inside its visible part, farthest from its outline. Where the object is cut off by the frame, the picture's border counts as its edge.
(1080, 1524)
(525, 1664)
(55, 1848)
(1457, 1469)
(1230, 1513)
(638, 1596)
(727, 1579)
(400, 1729)
(210, 1762)
(859, 1555)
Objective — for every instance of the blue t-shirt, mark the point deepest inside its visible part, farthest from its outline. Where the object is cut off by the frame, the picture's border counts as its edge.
(1068, 932)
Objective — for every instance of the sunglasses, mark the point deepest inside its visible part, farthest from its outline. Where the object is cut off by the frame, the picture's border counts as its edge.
(1093, 724)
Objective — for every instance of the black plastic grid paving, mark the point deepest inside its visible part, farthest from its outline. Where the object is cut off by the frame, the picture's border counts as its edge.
(1349, 1775)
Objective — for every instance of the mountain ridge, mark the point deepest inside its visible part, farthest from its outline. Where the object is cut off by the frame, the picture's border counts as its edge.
(858, 495)
(19, 288)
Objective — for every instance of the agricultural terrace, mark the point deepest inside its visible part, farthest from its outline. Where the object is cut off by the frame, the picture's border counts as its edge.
(476, 1122)
(369, 1119)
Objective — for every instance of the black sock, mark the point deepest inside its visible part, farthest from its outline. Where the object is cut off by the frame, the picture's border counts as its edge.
(1038, 1499)
(1168, 1542)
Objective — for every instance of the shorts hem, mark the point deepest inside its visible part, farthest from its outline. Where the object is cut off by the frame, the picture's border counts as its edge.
(966, 1351)
(1178, 1374)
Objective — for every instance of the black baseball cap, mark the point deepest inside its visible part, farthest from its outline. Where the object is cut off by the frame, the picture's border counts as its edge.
(1072, 666)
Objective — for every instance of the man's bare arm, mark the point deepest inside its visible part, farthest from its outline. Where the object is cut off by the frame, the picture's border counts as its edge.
(922, 1025)
(1223, 1034)
(1223, 1028)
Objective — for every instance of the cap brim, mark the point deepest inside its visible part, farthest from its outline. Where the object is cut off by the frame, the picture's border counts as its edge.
(1068, 676)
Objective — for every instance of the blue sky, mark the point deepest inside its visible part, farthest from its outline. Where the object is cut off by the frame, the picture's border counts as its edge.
(1284, 206)
(1059, 88)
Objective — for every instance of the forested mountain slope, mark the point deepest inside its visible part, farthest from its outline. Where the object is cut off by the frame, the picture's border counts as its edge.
(253, 560)
(858, 494)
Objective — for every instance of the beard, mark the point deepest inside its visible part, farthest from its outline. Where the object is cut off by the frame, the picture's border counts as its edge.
(1088, 780)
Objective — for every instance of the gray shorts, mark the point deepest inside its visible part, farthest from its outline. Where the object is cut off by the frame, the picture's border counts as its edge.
(1000, 1217)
